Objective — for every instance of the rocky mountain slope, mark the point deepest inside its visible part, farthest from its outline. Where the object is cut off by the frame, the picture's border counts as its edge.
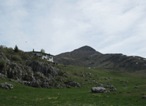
(29, 69)
(89, 57)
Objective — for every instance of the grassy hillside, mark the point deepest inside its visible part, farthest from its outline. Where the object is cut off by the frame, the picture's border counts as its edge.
(130, 88)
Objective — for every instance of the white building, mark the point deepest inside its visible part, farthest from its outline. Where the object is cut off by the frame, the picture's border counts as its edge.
(48, 57)
(45, 56)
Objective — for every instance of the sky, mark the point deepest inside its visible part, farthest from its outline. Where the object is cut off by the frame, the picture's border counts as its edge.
(57, 26)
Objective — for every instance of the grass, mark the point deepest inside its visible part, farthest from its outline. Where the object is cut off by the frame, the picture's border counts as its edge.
(130, 87)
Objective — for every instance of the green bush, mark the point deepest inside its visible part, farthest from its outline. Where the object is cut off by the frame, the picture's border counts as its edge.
(16, 58)
(2, 64)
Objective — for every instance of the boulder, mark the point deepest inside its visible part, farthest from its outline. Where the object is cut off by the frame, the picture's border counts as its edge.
(98, 90)
(72, 84)
(6, 85)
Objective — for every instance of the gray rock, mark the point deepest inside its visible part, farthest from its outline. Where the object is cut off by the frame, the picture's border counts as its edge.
(43, 68)
(72, 84)
(2, 76)
(26, 83)
(6, 85)
(98, 90)
(36, 83)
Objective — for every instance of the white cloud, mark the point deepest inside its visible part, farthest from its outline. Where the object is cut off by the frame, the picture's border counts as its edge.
(62, 25)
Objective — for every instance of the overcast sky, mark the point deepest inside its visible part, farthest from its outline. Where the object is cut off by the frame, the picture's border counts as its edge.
(109, 26)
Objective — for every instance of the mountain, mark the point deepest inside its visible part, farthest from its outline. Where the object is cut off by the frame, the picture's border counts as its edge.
(89, 57)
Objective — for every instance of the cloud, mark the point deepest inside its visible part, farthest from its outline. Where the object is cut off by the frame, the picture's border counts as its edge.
(117, 24)
(59, 26)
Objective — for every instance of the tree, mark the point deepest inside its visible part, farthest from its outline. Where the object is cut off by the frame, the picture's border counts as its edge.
(16, 49)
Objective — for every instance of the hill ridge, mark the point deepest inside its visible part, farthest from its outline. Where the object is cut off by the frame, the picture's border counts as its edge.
(89, 57)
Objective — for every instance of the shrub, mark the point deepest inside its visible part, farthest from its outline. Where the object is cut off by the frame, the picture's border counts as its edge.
(2, 64)
(16, 58)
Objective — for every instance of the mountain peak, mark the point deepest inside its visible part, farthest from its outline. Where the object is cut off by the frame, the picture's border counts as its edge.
(86, 48)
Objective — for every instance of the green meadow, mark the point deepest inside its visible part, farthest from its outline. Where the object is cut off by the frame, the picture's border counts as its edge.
(131, 86)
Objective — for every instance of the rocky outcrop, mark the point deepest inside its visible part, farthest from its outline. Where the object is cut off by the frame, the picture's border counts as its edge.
(44, 68)
(28, 70)
(17, 71)
(35, 74)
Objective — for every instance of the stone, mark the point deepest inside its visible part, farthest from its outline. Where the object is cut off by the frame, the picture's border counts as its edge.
(6, 85)
(98, 90)
(72, 84)
(2, 75)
